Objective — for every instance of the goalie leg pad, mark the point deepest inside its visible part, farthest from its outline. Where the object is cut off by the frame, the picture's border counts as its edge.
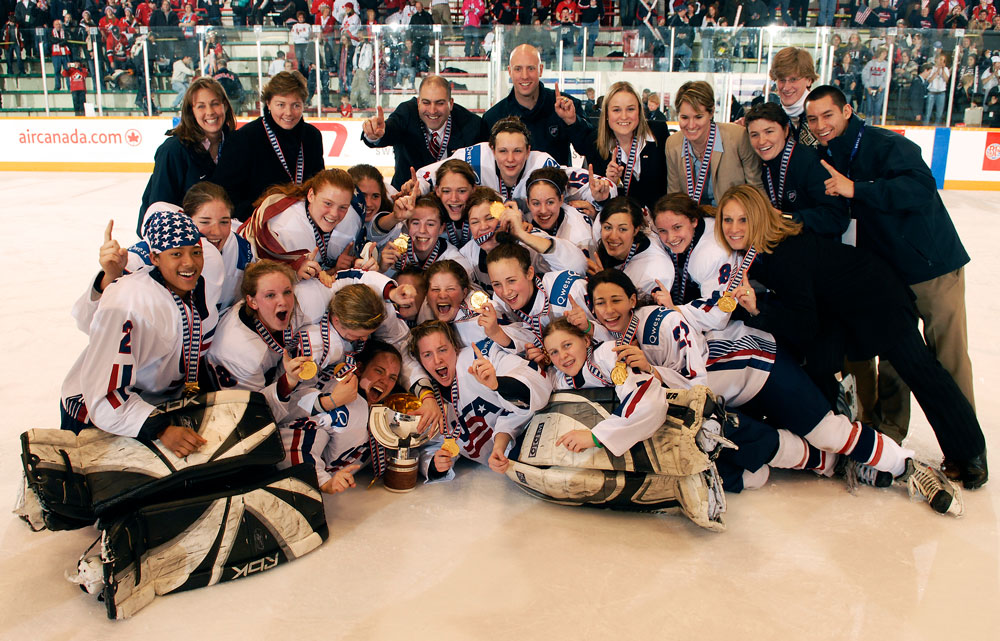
(697, 496)
(206, 540)
(80, 477)
(679, 448)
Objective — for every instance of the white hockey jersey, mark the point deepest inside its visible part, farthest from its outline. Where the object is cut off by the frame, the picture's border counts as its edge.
(563, 256)
(523, 390)
(135, 358)
(551, 302)
(649, 264)
(480, 158)
(643, 407)
(329, 440)
(293, 230)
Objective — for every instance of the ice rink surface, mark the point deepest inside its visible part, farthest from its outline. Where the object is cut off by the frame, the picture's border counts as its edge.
(479, 559)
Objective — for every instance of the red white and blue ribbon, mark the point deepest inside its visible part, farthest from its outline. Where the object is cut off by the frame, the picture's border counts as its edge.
(629, 163)
(300, 164)
(534, 321)
(191, 322)
(695, 188)
(741, 270)
(786, 157)
(593, 369)
(449, 430)
(322, 240)
(268, 338)
(442, 150)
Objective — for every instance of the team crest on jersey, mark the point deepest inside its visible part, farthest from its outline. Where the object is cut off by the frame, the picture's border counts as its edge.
(792, 195)
(554, 131)
(481, 408)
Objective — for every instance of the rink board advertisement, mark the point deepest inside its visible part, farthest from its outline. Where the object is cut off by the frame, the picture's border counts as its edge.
(128, 144)
(959, 158)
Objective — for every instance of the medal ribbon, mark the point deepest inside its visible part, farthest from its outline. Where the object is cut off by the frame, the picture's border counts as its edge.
(449, 431)
(191, 321)
(629, 164)
(268, 338)
(694, 190)
(593, 369)
(442, 147)
(631, 255)
(626, 337)
(744, 266)
(534, 321)
(322, 240)
(456, 236)
(411, 255)
(786, 156)
(300, 164)
(680, 284)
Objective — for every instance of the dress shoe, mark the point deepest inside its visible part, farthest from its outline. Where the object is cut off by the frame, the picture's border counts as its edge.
(972, 473)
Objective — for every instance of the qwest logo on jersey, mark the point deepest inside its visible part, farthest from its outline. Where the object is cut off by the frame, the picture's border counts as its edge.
(651, 329)
(561, 287)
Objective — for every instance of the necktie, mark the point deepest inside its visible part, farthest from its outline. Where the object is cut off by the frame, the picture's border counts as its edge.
(435, 146)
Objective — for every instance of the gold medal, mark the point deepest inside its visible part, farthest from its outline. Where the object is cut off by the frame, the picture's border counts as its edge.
(619, 374)
(496, 210)
(190, 389)
(727, 303)
(308, 370)
(479, 300)
(402, 242)
(451, 447)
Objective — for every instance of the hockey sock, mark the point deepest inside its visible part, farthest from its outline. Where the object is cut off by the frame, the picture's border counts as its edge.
(756, 480)
(836, 433)
(795, 453)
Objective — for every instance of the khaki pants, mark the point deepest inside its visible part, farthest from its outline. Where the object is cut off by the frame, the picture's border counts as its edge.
(941, 306)
(441, 14)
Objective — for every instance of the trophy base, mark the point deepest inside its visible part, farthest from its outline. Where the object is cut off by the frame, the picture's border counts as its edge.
(401, 475)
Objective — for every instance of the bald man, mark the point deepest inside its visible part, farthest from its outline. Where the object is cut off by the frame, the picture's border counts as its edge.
(549, 119)
(425, 129)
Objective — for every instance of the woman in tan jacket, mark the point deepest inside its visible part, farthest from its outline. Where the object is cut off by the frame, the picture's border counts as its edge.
(709, 157)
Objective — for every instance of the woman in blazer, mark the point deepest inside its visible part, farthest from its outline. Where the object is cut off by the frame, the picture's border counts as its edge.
(724, 147)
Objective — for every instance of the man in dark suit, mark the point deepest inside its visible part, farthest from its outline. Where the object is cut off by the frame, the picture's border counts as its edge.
(424, 130)
(900, 216)
(547, 114)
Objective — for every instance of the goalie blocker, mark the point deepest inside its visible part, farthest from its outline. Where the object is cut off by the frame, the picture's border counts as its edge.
(670, 472)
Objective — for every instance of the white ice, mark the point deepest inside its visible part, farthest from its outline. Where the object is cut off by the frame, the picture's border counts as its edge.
(477, 558)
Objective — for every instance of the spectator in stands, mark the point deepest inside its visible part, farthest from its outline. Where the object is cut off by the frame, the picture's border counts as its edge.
(425, 129)
(144, 10)
(937, 90)
(350, 23)
(441, 13)
(60, 52)
(653, 106)
(277, 148)
(301, 35)
(590, 13)
(259, 11)
(944, 8)
(12, 36)
(364, 60)
(277, 65)
(874, 78)
(230, 82)
(472, 14)
(345, 107)
(408, 64)
(181, 78)
(548, 119)
(627, 11)
(345, 69)
(420, 24)
(76, 75)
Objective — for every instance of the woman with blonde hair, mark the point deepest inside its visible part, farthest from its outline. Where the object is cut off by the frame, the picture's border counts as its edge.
(627, 148)
(824, 295)
(191, 153)
(279, 147)
(709, 157)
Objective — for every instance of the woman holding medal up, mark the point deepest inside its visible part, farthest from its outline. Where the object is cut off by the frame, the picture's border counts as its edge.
(627, 148)
(709, 157)
(487, 216)
(277, 148)
(810, 278)
(451, 299)
(792, 174)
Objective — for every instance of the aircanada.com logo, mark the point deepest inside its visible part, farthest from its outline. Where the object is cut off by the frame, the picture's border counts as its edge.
(131, 138)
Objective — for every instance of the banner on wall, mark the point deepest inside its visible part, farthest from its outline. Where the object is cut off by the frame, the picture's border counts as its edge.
(128, 144)
(991, 152)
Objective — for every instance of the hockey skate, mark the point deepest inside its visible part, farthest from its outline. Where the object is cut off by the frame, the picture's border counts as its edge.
(931, 485)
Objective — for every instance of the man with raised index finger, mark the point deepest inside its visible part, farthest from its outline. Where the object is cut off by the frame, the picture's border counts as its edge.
(548, 114)
(900, 216)
(425, 129)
